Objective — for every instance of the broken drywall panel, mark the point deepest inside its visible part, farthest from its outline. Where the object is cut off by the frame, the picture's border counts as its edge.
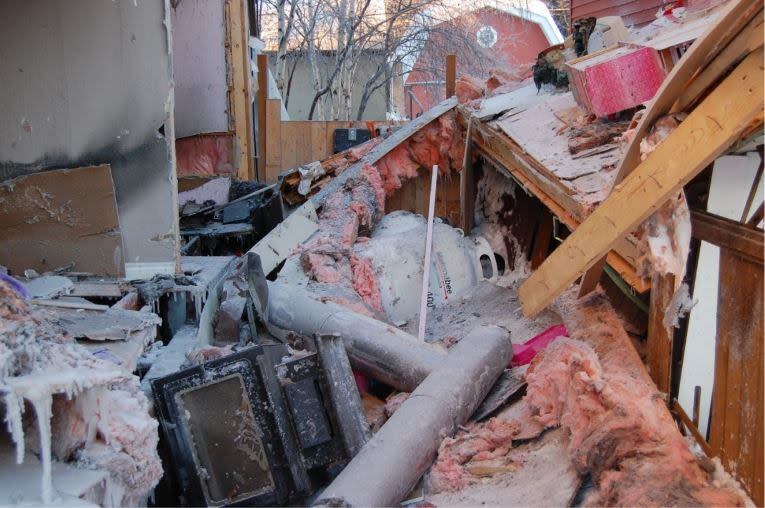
(56, 218)
(280, 241)
(111, 324)
(199, 67)
(89, 83)
(732, 178)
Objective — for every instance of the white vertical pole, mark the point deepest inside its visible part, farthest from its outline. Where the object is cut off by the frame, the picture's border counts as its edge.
(428, 249)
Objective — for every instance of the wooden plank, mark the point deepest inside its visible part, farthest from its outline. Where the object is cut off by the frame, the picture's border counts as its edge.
(378, 152)
(451, 74)
(676, 84)
(728, 233)
(289, 142)
(273, 139)
(616, 259)
(701, 52)
(736, 426)
(262, 60)
(707, 132)
(239, 99)
(54, 218)
(746, 41)
(680, 412)
(659, 339)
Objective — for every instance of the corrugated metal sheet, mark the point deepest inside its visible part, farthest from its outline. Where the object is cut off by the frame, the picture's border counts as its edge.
(633, 12)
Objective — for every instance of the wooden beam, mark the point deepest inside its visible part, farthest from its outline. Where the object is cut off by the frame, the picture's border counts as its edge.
(262, 127)
(239, 97)
(728, 233)
(737, 14)
(707, 132)
(659, 340)
(681, 89)
(451, 75)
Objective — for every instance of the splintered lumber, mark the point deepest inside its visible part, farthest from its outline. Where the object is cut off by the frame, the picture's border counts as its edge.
(737, 32)
(393, 461)
(729, 111)
(698, 56)
(381, 150)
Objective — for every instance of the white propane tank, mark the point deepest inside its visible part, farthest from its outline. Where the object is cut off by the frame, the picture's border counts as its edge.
(397, 249)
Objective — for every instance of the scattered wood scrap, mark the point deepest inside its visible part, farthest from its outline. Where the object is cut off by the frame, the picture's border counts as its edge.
(719, 121)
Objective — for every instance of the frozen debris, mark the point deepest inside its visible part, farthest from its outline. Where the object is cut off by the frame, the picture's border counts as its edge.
(49, 286)
(348, 216)
(86, 411)
(621, 432)
(109, 324)
(206, 354)
(680, 305)
(665, 240)
(665, 237)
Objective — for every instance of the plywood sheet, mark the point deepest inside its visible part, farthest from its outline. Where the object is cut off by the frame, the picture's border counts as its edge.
(54, 218)
(535, 127)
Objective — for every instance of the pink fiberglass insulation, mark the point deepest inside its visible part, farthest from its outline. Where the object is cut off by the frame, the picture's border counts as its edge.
(482, 444)
(620, 430)
(365, 283)
(86, 409)
(349, 215)
(468, 88)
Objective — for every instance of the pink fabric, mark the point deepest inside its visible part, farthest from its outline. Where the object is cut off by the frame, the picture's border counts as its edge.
(524, 353)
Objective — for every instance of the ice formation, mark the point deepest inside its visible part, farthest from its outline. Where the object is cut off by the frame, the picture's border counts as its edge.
(85, 409)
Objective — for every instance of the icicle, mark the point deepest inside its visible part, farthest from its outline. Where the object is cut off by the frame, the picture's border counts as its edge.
(14, 406)
(42, 401)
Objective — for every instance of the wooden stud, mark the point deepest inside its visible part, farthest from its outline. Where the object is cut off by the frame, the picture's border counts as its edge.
(239, 99)
(735, 105)
(262, 128)
(675, 88)
(451, 74)
(659, 339)
(728, 233)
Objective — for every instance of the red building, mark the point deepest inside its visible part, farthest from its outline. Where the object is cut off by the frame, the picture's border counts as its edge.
(485, 38)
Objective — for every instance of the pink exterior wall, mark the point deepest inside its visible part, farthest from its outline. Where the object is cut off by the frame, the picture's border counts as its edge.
(518, 43)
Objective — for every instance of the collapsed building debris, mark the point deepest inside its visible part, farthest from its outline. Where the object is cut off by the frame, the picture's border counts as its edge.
(390, 465)
(85, 411)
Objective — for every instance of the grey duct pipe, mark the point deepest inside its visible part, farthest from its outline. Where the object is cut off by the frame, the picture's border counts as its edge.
(376, 348)
(392, 462)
